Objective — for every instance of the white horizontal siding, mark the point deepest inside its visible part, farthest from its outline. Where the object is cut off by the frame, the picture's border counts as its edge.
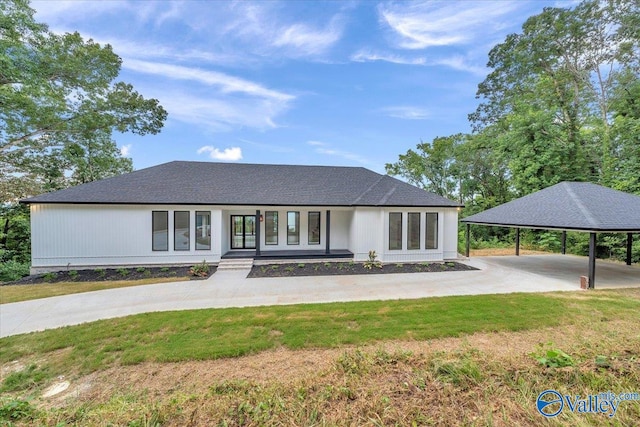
(91, 235)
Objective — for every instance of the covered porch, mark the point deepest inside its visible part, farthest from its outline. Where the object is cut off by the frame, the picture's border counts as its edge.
(289, 254)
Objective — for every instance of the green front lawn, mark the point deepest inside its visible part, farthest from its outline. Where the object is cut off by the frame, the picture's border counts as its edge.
(216, 333)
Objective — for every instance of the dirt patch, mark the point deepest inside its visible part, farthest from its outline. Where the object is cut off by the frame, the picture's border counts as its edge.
(351, 268)
(108, 274)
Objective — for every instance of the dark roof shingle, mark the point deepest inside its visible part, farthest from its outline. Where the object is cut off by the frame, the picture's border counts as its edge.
(209, 183)
(567, 206)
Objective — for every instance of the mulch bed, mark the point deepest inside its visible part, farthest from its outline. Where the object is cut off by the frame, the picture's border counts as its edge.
(349, 267)
(109, 274)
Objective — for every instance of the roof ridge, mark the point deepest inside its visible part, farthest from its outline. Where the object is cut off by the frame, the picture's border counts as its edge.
(361, 196)
(581, 205)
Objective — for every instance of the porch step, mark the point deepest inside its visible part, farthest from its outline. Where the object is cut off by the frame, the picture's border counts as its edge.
(235, 264)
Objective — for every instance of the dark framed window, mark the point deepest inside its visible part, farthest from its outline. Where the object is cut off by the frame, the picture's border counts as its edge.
(271, 228)
(181, 231)
(314, 228)
(160, 230)
(432, 231)
(395, 230)
(293, 228)
(203, 230)
(413, 230)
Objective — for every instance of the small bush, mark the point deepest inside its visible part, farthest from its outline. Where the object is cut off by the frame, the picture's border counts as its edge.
(141, 269)
(200, 270)
(73, 274)
(100, 271)
(301, 265)
(49, 277)
(123, 272)
(164, 269)
(13, 270)
(372, 262)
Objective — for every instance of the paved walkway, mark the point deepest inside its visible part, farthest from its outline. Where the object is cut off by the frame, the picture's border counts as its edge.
(233, 289)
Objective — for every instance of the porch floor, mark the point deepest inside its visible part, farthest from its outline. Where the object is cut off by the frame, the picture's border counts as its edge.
(290, 254)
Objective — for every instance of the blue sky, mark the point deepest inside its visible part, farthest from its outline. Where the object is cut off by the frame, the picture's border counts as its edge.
(353, 83)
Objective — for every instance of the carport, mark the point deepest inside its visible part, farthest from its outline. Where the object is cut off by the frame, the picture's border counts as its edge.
(568, 206)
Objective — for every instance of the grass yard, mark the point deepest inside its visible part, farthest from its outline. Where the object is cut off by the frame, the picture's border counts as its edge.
(16, 293)
(451, 361)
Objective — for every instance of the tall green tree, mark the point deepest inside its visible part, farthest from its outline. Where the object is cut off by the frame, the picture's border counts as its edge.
(553, 87)
(59, 98)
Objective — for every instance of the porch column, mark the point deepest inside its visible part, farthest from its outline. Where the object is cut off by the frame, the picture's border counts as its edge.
(564, 242)
(592, 261)
(517, 242)
(468, 234)
(629, 245)
(328, 234)
(258, 232)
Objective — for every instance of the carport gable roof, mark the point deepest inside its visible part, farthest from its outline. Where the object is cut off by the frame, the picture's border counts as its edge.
(211, 183)
(579, 206)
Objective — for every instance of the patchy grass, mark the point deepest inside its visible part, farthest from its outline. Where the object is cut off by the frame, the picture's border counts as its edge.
(15, 293)
(217, 333)
(470, 360)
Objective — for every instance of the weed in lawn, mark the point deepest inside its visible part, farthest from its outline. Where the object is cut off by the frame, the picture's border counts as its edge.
(15, 410)
(552, 357)
(124, 272)
(462, 371)
(603, 361)
(49, 277)
(21, 380)
(141, 269)
(355, 362)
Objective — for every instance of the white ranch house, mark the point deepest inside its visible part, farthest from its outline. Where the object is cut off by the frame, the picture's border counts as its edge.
(185, 212)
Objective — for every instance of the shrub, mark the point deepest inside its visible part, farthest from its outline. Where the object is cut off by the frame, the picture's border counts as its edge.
(73, 274)
(49, 277)
(123, 272)
(141, 269)
(13, 270)
(372, 262)
(200, 270)
(101, 272)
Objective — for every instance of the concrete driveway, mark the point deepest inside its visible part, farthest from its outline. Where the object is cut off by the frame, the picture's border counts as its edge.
(534, 273)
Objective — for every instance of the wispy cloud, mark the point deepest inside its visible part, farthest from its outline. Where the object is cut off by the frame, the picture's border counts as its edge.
(308, 41)
(419, 25)
(226, 83)
(369, 56)
(324, 148)
(125, 150)
(232, 154)
(407, 112)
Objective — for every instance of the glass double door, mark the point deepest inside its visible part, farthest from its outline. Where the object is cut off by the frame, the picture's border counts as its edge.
(243, 231)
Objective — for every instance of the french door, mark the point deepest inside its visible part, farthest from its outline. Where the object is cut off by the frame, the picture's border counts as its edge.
(243, 231)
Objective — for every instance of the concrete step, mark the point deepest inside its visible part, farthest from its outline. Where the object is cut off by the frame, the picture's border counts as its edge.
(235, 264)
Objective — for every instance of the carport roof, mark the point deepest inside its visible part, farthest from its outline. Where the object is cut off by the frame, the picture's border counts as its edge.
(580, 206)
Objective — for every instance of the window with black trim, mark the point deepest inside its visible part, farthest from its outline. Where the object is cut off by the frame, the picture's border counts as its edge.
(271, 228)
(413, 230)
(160, 230)
(395, 230)
(432, 231)
(314, 228)
(181, 231)
(293, 228)
(203, 230)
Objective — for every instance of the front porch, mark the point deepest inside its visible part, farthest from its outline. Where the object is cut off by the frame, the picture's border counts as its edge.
(290, 254)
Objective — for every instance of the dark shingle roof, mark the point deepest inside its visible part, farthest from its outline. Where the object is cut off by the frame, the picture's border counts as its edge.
(208, 183)
(567, 206)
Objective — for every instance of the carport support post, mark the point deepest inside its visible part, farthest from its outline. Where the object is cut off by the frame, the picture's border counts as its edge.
(592, 261)
(466, 249)
(517, 242)
(629, 245)
(564, 242)
(258, 232)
